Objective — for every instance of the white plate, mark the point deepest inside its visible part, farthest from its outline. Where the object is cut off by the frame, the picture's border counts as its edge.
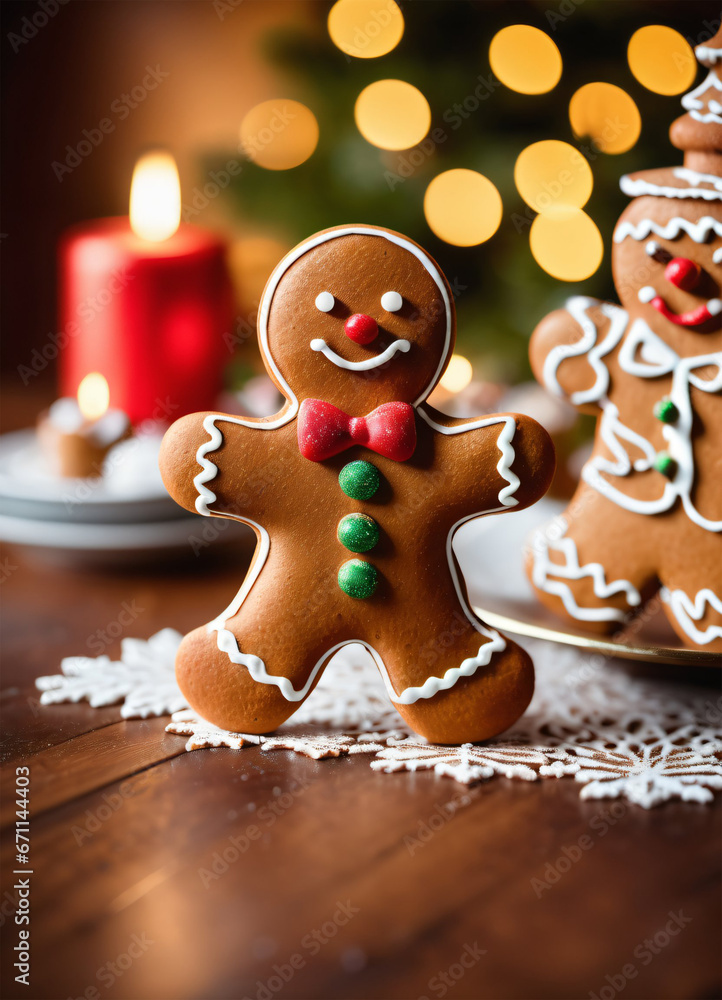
(29, 490)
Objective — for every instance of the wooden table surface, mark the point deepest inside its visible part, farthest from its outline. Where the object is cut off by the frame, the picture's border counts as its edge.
(159, 873)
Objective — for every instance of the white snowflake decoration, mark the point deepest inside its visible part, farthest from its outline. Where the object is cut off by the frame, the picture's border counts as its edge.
(204, 734)
(320, 745)
(143, 679)
(466, 764)
(617, 736)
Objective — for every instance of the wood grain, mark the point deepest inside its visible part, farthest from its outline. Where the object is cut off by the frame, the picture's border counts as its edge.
(230, 862)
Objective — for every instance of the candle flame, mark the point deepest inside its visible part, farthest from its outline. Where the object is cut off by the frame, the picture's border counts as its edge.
(458, 375)
(155, 197)
(93, 396)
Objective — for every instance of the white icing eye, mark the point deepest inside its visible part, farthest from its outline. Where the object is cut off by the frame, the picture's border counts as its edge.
(717, 256)
(325, 302)
(391, 301)
(658, 252)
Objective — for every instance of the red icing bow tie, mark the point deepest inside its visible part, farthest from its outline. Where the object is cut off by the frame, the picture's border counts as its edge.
(324, 430)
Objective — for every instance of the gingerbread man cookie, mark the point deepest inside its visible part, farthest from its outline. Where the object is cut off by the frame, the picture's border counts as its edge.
(355, 490)
(647, 514)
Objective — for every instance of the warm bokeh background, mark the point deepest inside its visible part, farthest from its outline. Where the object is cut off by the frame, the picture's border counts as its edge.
(223, 58)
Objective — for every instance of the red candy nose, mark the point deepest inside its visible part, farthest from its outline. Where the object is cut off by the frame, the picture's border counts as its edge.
(361, 329)
(683, 273)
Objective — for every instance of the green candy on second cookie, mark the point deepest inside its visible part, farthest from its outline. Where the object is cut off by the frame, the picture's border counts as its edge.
(358, 578)
(359, 480)
(358, 532)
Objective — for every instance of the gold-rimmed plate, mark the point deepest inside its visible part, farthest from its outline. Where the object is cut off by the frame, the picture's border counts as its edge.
(490, 553)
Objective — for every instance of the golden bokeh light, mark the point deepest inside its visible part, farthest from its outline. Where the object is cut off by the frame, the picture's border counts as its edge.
(155, 197)
(525, 59)
(661, 59)
(392, 114)
(279, 134)
(365, 29)
(550, 173)
(93, 396)
(457, 375)
(462, 207)
(566, 243)
(607, 114)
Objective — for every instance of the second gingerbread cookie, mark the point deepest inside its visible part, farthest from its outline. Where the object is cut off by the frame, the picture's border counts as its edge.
(355, 490)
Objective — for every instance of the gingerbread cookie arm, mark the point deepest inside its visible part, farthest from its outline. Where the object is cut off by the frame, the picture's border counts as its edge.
(569, 346)
(518, 449)
(198, 471)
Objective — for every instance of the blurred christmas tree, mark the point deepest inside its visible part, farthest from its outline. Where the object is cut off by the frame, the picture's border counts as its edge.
(476, 123)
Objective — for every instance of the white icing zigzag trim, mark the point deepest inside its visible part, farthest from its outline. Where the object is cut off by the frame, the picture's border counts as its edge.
(504, 444)
(544, 570)
(688, 611)
(360, 366)
(228, 643)
(699, 231)
(577, 307)
(639, 186)
(692, 103)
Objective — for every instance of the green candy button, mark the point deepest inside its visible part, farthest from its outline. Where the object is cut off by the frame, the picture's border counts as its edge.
(359, 480)
(665, 464)
(358, 578)
(666, 411)
(358, 532)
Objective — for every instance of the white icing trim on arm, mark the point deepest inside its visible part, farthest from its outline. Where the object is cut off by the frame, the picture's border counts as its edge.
(578, 307)
(698, 231)
(360, 366)
(504, 444)
(687, 611)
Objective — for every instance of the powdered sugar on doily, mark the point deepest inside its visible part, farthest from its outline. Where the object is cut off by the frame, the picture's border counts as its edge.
(591, 720)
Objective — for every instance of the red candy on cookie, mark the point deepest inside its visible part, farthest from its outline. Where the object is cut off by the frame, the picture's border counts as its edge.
(355, 490)
(647, 515)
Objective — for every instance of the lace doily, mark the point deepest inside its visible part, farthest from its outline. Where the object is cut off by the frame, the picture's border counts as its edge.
(617, 736)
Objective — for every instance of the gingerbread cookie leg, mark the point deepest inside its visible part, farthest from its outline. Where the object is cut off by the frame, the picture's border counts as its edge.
(591, 565)
(452, 678)
(691, 590)
(252, 667)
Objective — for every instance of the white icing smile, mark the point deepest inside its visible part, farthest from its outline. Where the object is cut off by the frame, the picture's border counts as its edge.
(360, 366)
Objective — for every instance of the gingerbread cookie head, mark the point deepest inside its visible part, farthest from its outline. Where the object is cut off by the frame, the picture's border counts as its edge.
(667, 256)
(357, 316)
(667, 266)
(646, 517)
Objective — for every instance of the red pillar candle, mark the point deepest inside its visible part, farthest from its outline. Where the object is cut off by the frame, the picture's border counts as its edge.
(148, 314)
